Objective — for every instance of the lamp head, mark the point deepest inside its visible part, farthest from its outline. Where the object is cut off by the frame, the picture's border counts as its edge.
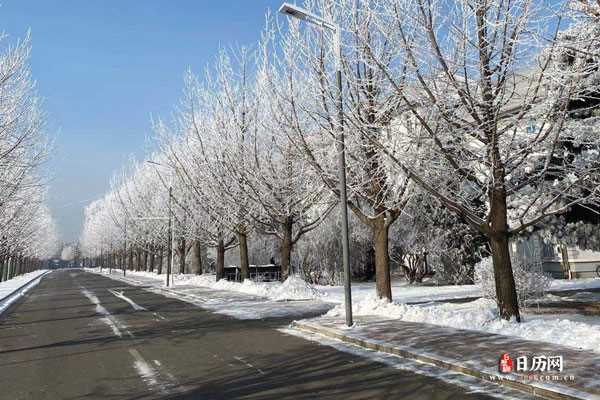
(293, 11)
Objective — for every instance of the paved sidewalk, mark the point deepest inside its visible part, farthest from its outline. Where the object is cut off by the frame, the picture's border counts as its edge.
(469, 352)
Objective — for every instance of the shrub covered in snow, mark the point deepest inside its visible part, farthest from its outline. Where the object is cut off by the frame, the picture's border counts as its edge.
(530, 280)
(318, 254)
(453, 248)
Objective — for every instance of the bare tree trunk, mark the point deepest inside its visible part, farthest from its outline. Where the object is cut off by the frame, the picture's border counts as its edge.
(130, 260)
(7, 261)
(382, 259)
(244, 264)
(2, 267)
(220, 267)
(286, 250)
(506, 293)
(196, 262)
(11, 266)
(152, 258)
(182, 254)
(204, 257)
(18, 266)
(370, 263)
(160, 260)
(145, 259)
(138, 259)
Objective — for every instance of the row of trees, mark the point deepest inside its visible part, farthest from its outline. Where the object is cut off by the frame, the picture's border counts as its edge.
(28, 234)
(465, 106)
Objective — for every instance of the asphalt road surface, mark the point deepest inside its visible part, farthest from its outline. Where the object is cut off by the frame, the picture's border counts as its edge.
(83, 336)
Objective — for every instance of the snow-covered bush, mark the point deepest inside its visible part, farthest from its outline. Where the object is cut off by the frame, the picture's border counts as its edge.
(451, 268)
(318, 253)
(453, 248)
(530, 280)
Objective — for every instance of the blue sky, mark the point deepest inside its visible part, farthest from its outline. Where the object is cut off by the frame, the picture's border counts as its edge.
(105, 67)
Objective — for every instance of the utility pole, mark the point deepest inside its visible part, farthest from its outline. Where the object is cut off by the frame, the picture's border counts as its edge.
(125, 248)
(170, 244)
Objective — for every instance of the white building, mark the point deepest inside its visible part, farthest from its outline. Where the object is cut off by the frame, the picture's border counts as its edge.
(560, 261)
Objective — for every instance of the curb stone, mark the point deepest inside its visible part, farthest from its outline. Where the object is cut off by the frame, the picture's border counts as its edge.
(547, 391)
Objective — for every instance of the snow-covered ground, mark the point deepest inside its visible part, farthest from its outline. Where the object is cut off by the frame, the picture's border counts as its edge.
(293, 288)
(242, 301)
(296, 289)
(8, 287)
(482, 315)
(575, 284)
(403, 292)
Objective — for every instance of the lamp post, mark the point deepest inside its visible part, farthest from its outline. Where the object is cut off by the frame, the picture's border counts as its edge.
(300, 13)
(170, 252)
(170, 247)
(125, 258)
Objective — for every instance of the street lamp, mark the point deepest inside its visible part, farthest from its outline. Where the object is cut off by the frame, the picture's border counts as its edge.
(304, 15)
(170, 252)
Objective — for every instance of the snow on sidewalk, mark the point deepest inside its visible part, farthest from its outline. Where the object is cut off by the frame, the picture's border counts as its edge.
(482, 315)
(8, 287)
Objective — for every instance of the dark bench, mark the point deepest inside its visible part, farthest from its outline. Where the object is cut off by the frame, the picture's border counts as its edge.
(258, 273)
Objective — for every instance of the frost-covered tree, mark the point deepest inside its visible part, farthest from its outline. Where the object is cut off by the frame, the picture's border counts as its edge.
(305, 92)
(27, 231)
(487, 97)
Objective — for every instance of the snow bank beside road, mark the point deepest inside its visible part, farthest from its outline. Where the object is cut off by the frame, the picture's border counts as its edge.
(8, 287)
(482, 315)
(294, 288)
